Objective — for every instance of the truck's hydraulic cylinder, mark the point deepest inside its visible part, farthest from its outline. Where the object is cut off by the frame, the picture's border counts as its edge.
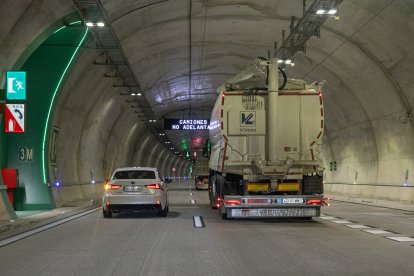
(272, 111)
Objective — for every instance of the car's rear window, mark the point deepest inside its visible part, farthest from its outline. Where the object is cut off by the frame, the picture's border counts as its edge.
(134, 175)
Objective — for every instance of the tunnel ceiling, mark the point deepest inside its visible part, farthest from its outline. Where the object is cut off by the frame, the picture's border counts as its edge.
(181, 51)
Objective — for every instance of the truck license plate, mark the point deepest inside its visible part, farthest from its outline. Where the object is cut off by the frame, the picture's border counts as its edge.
(289, 200)
(285, 212)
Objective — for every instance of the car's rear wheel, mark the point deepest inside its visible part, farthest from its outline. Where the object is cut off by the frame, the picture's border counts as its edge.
(163, 212)
(223, 215)
(106, 214)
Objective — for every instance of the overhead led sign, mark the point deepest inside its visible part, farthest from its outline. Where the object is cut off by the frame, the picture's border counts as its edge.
(16, 85)
(184, 124)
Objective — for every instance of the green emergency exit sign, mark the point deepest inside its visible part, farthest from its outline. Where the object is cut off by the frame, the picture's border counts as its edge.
(16, 85)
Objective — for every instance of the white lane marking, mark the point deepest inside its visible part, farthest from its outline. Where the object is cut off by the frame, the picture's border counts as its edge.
(193, 201)
(341, 221)
(327, 217)
(358, 226)
(44, 227)
(378, 232)
(198, 222)
(191, 193)
(401, 239)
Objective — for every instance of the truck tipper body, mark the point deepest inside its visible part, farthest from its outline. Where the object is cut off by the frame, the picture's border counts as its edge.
(265, 147)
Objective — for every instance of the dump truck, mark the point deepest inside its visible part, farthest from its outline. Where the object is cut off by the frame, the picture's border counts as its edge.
(266, 135)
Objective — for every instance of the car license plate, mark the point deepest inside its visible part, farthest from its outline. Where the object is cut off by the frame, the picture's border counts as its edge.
(285, 212)
(290, 200)
(132, 189)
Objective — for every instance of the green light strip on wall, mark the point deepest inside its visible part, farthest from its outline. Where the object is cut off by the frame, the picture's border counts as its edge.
(61, 28)
(70, 24)
(51, 105)
(75, 22)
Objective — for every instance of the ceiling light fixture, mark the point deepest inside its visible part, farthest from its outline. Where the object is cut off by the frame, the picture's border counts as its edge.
(91, 24)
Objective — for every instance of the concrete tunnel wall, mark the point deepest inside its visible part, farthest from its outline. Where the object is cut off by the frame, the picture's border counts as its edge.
(366, 58)
(97, 130)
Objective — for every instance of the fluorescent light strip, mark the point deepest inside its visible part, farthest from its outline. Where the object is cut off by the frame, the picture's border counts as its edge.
(70, 24)
(51, 105)
(61, 28)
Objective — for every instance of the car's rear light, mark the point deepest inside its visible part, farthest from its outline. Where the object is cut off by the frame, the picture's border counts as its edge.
(232, 202)
(153, 186)
(112, 187)
(218, 202)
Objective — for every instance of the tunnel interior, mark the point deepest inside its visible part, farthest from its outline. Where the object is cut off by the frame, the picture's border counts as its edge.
(82, 123)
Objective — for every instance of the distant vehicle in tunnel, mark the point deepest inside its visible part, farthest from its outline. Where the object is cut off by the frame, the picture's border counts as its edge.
(201, 173)
(133, 189)
(201, 182)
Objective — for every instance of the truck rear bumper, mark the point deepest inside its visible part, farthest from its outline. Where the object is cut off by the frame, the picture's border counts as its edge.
(272, 212)
(271, 206)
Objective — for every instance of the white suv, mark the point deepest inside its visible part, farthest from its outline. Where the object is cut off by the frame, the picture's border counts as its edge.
(135, 188)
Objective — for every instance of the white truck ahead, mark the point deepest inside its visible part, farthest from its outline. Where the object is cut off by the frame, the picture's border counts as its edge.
(265, 146)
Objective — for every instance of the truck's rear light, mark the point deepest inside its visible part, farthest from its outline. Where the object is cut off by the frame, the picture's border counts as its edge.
(232, 202)
(112, 187)
(153, 186)
(315, 201)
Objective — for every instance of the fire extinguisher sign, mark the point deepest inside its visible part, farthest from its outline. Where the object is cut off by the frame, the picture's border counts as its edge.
(14, 119)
